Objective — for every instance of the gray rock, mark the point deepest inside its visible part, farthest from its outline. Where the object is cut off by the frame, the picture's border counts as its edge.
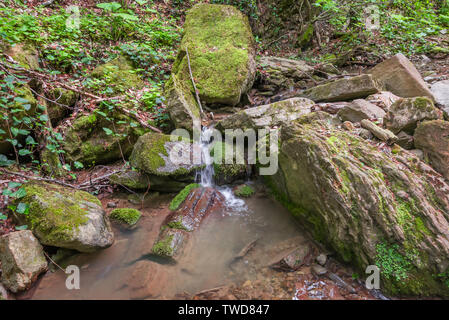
(399, 76)
(283, 73)
(405, 114)
(418, 153)
(22, 260)
(66, 218)
(267, 116)
(361, 109)
(319, 270)
(405, 140)
(3, 293)
(343, 89)
(441, 92)
(383, 99)
(365, 134)
(321, 259)
(379, 133)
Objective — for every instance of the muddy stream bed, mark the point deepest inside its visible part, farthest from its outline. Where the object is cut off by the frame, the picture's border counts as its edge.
(230, 257)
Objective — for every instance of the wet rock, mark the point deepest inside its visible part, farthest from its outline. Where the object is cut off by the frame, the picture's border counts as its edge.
(266, 116)
(22, 260)
(321, 259)
(383, 99)
(125, 216)
(379, 133)
(440, 90)
(405, 140)
(343, 89)
(146, 279)
(399, 76)
(345, 190)
(432, 138)
(222, 55)
(319, 270)
(292, 261)
(170, 165)
(283, 73)
(229, 165)
(87, 141)
(65, 218)
(175, 232)
(361, 109)
(405, 114)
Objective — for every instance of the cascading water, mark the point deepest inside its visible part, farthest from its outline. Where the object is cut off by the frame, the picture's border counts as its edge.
(206, 176)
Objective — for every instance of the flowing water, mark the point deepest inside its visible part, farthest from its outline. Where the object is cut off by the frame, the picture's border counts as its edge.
(128, 270)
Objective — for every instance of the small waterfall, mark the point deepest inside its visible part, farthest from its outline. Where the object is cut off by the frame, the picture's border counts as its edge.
(206, 176)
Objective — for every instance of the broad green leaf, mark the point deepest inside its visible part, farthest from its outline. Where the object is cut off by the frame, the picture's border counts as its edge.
(23, 208)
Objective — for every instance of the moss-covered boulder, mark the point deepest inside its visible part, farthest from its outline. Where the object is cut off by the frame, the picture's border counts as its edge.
(65, 218)
(167, 160)
(62, 102)
(25, 54)
(244, 191)
(371, 206)
(119, 74)
(267, 116)
(127, 216)
(96, 139)
(405, 114)
(432, 137)
(222, 54)
(24, 105)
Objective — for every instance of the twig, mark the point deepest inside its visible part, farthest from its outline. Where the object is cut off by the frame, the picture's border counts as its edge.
(210, 290)
(193, 82)
(53, 261)
(38, 178)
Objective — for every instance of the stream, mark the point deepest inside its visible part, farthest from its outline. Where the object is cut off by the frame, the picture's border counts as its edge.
(128, 269)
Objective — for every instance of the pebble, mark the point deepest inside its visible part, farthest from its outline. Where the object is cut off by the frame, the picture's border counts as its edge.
(111, 204)
(321, 259)
(318, 270)
(348, 126)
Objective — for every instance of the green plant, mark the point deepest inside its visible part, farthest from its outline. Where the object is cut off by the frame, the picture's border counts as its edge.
(393, 264)
(244, 191)
(126, 215)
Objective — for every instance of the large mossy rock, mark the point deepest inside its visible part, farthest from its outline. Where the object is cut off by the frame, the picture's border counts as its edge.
(25, 54)
(267, 116)
(22, 260)
(432, 137)
(96, 139)
(65, 218)
(372, 207)
(170, 164)
(221, 48)
(405, 114)
(119, 74)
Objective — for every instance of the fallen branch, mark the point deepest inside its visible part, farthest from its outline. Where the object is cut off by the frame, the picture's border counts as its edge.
(39, 178)
(193, 82)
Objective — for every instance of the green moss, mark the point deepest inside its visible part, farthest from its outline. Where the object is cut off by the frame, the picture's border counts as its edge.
(55, 212)
(147, 154)
(244, 191)
(126, 215)
(177, 225)
(182, 195)
(219, 41)
(164, 247)
(306, 37)
(392, 264)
